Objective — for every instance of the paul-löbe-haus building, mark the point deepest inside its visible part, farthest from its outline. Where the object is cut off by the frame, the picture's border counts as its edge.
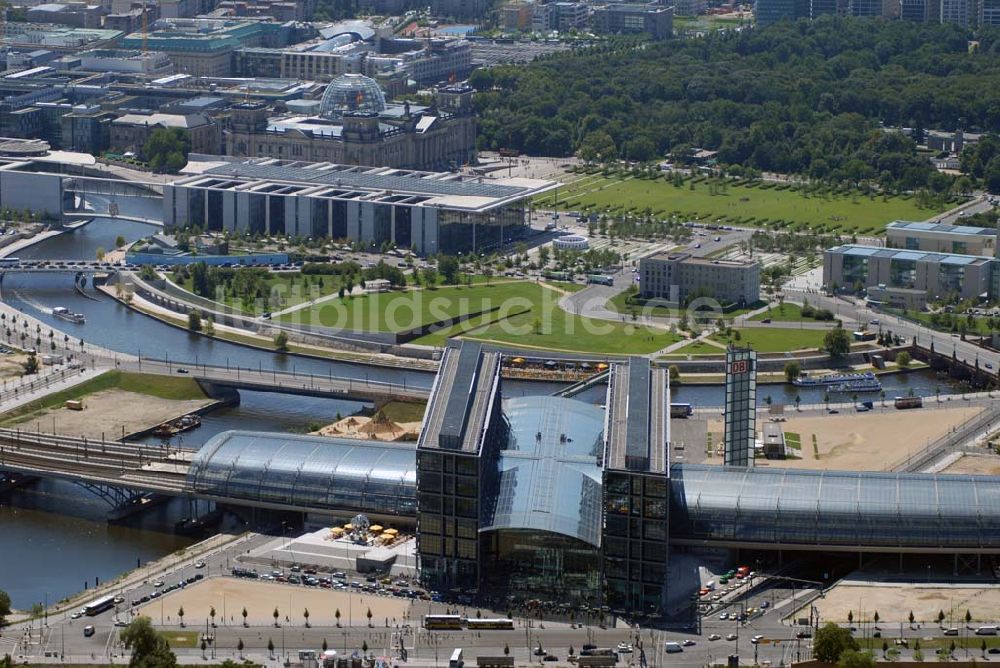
(428, 212)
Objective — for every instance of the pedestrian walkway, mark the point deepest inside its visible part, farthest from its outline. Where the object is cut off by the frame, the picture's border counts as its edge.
(57, 381)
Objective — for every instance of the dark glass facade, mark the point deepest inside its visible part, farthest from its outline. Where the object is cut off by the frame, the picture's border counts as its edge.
(453, 483)
(635, 541)
(276, 213)
(521, 565)
(215, 215)
(462, 232)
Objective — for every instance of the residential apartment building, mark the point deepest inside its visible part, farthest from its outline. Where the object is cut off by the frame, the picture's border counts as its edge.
(679, 277)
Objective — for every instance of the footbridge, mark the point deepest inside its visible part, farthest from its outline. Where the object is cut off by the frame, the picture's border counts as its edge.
(82, 215)
(286, 382)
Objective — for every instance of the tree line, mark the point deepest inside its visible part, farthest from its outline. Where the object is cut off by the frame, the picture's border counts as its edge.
(812, 98)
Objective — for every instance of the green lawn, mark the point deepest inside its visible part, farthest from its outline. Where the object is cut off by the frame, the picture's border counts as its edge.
(854, 213)
(767, 340)
(400, 311)
(439, 337)
(618, 305)
(556, 329)
(284, 290)
(182, 638)
(979, 325)
(521, 312)
(699, 348)
(785, 313)
(163, 387)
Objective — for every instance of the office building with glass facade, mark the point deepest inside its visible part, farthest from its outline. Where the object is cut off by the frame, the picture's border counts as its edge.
(636, 488)
(428, 212)
(942, 238)
(907, 278)
(457, 465)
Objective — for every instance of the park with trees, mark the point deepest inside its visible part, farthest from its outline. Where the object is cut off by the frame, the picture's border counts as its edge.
(810, 98)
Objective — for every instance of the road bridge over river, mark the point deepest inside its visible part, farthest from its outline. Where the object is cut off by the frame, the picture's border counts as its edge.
(271, 380)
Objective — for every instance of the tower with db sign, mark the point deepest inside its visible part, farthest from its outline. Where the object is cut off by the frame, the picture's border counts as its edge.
(741, 406)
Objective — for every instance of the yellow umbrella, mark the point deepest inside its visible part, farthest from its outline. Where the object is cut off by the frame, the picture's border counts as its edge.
(375, 528)
(348, 527)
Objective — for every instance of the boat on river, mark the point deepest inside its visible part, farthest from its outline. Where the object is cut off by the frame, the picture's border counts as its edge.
(174, 427)
(64, 313)
(866, 381)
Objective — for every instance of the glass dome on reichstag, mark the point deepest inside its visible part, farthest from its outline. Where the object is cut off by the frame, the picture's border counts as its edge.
(352, 93)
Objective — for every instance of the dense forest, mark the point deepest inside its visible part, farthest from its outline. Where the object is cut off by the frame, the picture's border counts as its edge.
(806, 97)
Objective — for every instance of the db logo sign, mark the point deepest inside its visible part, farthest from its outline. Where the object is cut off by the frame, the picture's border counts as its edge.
(739, 367)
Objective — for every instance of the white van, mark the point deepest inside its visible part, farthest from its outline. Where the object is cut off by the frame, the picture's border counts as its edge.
(986, 631)
(672, 647)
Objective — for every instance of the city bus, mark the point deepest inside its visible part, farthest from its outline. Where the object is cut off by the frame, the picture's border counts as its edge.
(443, 622)
(909, 402)
(501, 623)
(600, 279)
(681, 410)
(9, 261)
(99, 606)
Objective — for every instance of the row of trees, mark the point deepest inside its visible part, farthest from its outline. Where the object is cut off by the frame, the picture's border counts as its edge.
(808, 98)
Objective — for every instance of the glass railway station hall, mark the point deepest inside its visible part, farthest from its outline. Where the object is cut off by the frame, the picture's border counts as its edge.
(428, 212)
(556, 499)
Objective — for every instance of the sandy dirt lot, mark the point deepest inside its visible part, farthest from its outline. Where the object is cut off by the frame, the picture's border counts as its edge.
(11, 366)
(862, 441)
(976, 465)
(895, 602)
(229, 596)
(106, 412)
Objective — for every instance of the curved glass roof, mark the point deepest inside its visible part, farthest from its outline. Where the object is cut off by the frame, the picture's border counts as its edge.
(549, 473)
(352, 93)
(834, 508)
(355, 476)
